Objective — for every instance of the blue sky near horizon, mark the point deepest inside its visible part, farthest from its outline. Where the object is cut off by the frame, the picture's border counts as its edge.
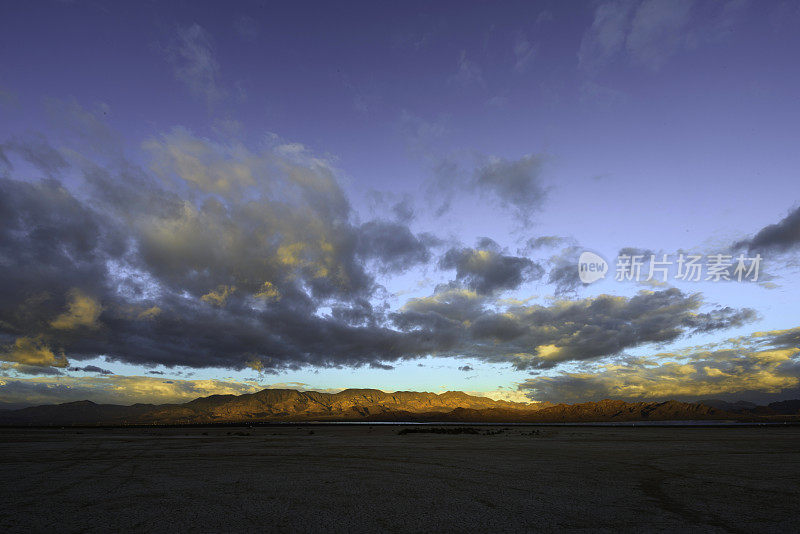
(664, 126)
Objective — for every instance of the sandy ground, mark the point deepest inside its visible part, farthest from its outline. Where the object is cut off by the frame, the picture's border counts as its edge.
(361, 478)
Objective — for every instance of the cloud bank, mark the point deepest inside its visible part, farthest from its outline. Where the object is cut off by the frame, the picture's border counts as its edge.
(249, 255)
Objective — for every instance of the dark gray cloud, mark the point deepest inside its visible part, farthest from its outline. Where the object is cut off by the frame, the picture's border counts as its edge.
(51, 243)
(779, 237)
(563, 270)
(516, 183)
(447, 181)
(721, 318)
(393, 245)
(635, 251)
(486, 270)
(382, 203)
(219, 255)
(403, 210)
(534, 336)
(91, 369)
(140, 274)
(35, 370)
(546, 241)
(513, 184)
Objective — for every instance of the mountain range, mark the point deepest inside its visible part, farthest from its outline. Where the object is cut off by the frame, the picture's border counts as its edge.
(288, 405)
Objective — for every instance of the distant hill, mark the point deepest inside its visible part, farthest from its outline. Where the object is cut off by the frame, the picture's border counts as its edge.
(265, 405)
(278, 405)
(787, 407)
(733, 407)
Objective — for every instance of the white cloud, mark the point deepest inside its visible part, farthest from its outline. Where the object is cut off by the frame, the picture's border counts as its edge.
(192, 56)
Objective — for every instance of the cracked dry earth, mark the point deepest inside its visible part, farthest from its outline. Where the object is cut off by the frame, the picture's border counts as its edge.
(365, 479)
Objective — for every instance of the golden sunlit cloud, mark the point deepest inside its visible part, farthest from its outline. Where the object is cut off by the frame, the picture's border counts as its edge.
(703, 374)
(34, 352)
(268, 292)
(218, 296)
(255, 365)
(82, 311)
(509, 395)
(127, 390)
(197, 162)
(150, 313)
(115, 389)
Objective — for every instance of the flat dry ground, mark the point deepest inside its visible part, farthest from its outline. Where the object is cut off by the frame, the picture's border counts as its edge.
(361, 478)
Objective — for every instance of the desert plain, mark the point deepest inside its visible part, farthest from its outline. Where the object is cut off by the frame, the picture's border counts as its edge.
(368, 478)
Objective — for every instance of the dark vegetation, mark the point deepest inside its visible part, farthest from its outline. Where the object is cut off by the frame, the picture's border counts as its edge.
(460, 430)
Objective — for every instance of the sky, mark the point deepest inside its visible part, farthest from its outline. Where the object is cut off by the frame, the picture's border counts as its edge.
(207, 197)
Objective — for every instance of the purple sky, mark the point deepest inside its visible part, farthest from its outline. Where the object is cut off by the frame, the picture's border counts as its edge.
(250, 194)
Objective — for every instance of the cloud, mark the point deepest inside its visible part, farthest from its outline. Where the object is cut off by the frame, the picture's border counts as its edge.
(606, 37)
(83, 311)
(393, 245)
(32, 352)
(648, 33)
(153, 311)
(515, 183)
(32, 370)
(423, 137)
(37, 151)
(545, 241)
(55, 251)
(206, 166)
(563, 270)
(757, 367)
(779, 237)
(91, 369)
(781, 338)
(658, 31)
(635, 251)
(486, 270)
(115, 389)
(460, 322)
(468, 73)
(509, 395)
(216, 254)
(403, 210)
(192, 56)
(240, 255)
(219, 295)
(85, 132)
